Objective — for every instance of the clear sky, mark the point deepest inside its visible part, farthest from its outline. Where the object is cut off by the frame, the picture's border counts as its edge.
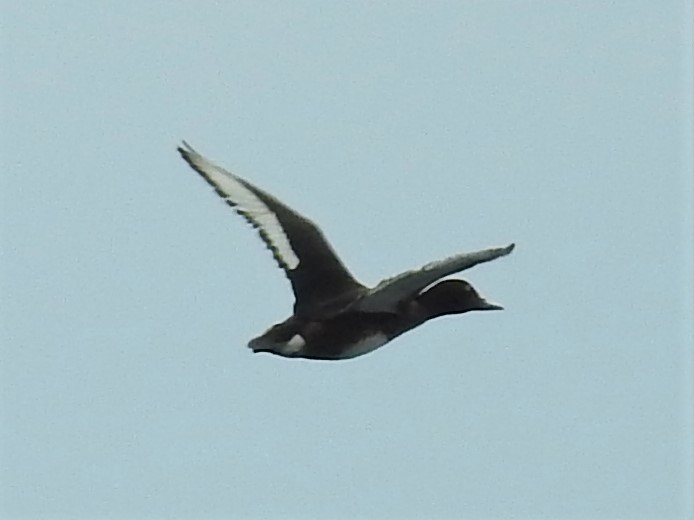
(409, 131)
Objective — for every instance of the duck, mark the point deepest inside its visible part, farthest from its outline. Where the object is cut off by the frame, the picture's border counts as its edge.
(335, 317)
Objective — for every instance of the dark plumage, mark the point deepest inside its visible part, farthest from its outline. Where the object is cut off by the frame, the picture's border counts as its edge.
(335, 316)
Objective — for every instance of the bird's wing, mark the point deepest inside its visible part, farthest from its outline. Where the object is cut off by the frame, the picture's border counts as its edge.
(386, 296)
(319, 279)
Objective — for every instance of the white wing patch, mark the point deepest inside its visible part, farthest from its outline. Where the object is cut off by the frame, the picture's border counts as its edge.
(246, 203)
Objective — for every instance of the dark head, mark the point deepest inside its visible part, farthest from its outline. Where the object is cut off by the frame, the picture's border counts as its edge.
(453, 297)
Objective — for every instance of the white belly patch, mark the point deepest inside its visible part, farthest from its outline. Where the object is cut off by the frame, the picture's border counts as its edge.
(368, 344)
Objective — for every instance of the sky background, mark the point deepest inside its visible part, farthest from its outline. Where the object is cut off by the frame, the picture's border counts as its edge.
(410, 131)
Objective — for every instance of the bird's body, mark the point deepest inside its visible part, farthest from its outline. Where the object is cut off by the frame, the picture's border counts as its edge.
(335, 316)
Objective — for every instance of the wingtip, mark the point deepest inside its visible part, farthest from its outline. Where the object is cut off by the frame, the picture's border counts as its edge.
(184, 148)
(188, 154)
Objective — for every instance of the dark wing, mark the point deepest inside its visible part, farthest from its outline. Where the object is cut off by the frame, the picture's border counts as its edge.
(321, 283)
(386, 296)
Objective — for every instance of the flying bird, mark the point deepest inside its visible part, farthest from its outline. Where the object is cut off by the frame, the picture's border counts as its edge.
(335, 316)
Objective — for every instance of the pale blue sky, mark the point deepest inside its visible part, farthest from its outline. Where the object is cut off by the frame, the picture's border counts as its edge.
(409, 131)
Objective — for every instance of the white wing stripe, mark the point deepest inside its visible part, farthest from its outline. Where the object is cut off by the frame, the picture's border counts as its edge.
(247, 203)
(256, 210)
